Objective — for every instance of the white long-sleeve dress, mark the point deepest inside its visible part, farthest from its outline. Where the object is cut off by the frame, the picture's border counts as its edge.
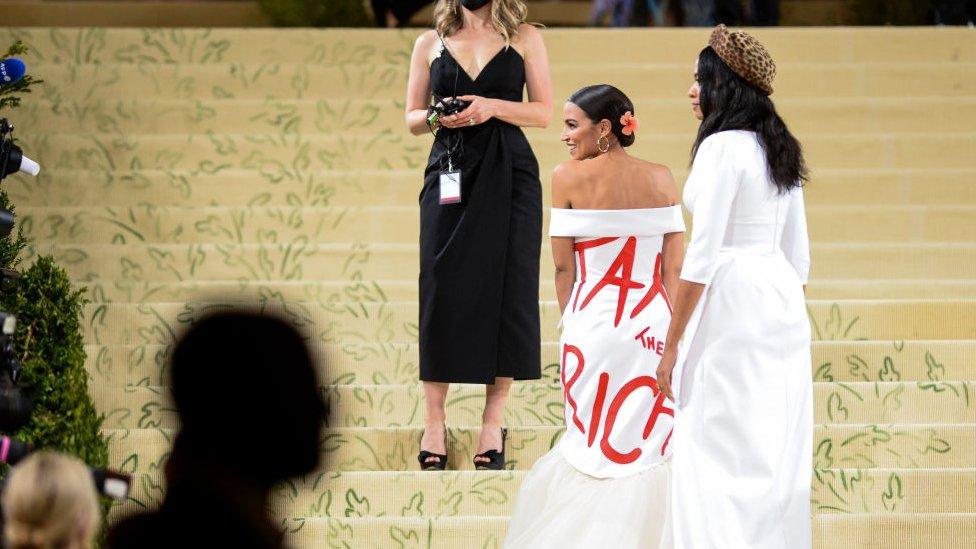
(744, 419)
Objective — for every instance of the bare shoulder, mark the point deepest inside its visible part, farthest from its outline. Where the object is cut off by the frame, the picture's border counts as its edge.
(565, 180)
(661, 179)
(567, 173)
(529, 39)
(426, 39)
(658, 171)
(425, 44)
(528, 31)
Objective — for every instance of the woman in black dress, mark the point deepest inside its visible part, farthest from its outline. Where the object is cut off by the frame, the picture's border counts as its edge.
(480, 240)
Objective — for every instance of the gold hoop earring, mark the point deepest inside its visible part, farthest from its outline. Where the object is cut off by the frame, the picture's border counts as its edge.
(599, 144)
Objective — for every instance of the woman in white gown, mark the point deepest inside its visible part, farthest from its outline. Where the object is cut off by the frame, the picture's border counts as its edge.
(617, 243)
(744, 426)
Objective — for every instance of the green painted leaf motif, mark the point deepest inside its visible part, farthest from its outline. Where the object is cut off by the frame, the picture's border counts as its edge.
(449, 504)
(415, 508)
(936, 371)
(492, 495)
(858, 367)
(823, 373)
(893, 399)
(322, 505)
(889, 372)
(130, 465)
(893, 494)
(341, 534)
(834, 321)
(822, 455)
(72, 256)
(356, 506)
(405, 539)
(877, 435)
(165, 261)
(836, 410)
(152, 491)
(934, 443)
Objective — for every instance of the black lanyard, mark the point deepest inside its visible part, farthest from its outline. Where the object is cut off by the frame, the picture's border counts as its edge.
(455, 152)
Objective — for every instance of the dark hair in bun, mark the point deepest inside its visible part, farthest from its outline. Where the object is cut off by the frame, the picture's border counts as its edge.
(603, 101)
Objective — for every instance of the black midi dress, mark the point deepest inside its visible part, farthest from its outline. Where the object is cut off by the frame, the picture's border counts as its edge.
(479, 259)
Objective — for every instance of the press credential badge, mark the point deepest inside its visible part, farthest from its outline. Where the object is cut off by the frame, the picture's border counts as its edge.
(451, 187)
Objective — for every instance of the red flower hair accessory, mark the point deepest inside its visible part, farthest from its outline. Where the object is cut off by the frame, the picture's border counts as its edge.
(629, 123)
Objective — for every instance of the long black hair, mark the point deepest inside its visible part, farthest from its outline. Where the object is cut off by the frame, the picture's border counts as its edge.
(729, 102)
(603, 101)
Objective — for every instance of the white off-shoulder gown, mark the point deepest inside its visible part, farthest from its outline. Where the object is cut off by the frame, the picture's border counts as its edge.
(744, 427)
(606, 482)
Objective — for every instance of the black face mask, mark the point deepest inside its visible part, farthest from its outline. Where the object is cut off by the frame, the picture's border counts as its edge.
(474, 4)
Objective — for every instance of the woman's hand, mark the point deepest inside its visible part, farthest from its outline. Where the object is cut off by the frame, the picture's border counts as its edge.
(664, 371)
(481, 110)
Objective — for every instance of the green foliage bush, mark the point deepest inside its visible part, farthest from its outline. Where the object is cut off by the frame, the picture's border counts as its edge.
(317, 13)
(52, 356)
(49, 343)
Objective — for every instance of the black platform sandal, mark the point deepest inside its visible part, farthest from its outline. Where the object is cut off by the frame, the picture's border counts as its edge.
(496, 459)
(424, 455)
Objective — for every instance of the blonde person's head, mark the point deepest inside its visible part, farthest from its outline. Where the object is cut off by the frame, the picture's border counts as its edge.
(50, 502)
(506, 16)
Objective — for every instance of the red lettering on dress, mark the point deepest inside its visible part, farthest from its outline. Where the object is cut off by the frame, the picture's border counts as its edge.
(567, 397)
(623, 264)
(618, 401)
(581, 248)
(650, 343)
(657, 288)
(666, 441)
(601, 395)
(659, 408)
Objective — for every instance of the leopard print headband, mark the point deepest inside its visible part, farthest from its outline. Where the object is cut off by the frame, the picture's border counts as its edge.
(745, 56)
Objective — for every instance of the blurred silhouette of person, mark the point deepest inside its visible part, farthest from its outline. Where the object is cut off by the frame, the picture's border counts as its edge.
(246, 392)
(49, 500)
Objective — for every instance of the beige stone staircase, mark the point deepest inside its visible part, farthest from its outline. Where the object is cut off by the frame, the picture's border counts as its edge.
(187, 169)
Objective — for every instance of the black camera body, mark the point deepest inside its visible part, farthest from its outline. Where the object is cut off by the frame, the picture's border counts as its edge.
(445, 107)
(451, 105)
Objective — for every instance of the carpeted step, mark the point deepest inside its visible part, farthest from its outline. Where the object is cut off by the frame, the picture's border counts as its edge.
(861, 446)
(175, 115)
(279, 187)
(103, 290)
(373, 320)
(380, 150)
(148, 224)
(840, 361)
(541, 403)
(894, 491)
(493, 494)
(370, 46)
(833, 531)
(134, 265)
(293, 79)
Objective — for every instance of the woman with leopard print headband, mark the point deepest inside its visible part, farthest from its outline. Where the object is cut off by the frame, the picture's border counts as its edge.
(738, 347)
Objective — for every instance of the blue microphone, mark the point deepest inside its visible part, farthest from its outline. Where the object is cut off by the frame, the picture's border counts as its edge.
(11, 70)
